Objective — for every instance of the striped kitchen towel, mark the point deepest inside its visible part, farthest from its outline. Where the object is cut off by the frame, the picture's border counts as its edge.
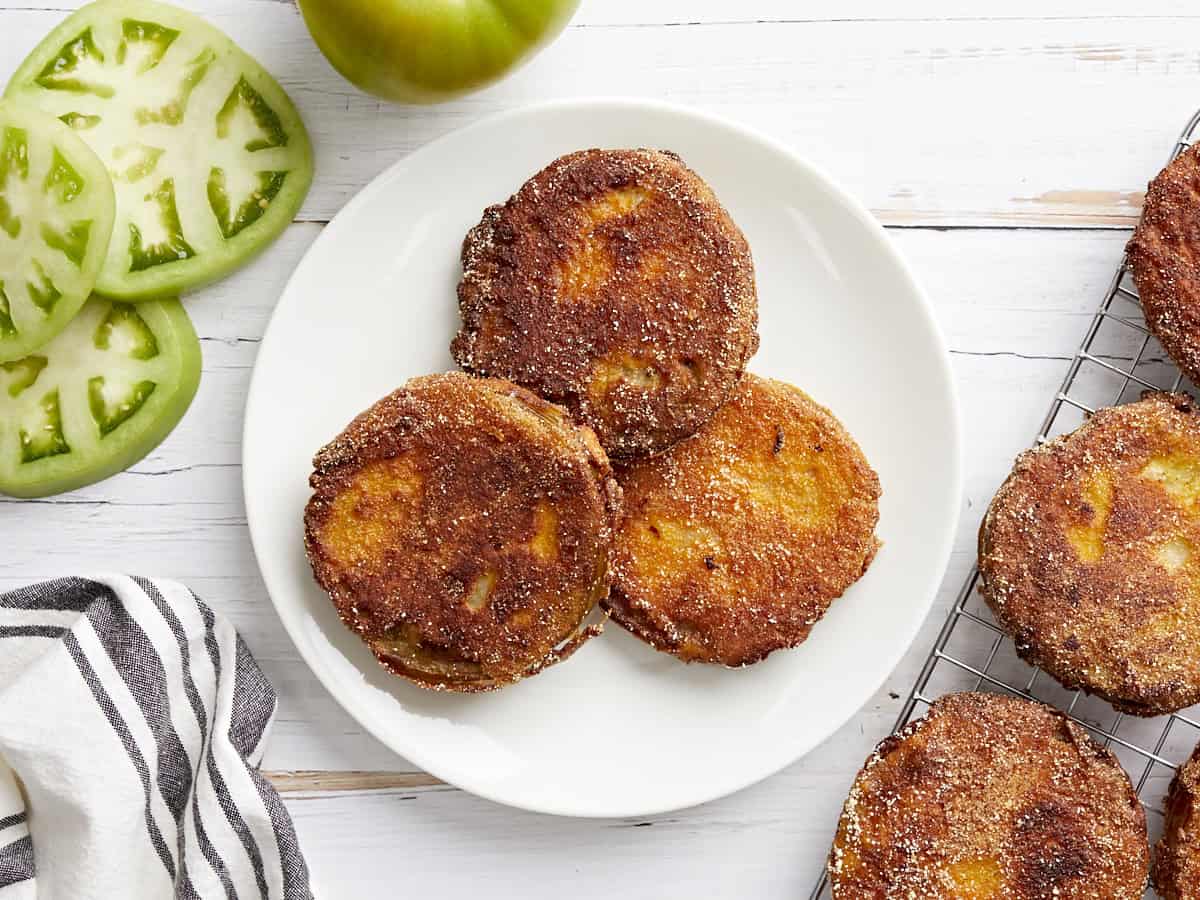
(132, 724)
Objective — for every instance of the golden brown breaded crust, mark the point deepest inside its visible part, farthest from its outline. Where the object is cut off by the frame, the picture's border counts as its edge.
(1165, 256)
(1090, 556)
(615, 283)
(462, 528)
(1177, 856)
(736, 540)
(990, 796)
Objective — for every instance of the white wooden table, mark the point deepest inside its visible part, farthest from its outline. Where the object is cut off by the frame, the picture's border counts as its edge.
(1004, 143)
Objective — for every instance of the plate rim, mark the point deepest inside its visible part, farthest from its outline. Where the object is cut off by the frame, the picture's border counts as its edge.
(850, 204)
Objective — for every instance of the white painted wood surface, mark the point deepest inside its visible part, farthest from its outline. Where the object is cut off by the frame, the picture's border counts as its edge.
(1005, 143)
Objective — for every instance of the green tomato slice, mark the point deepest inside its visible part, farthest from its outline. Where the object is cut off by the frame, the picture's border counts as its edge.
(56, 216)
(209, 157)
(97, 398)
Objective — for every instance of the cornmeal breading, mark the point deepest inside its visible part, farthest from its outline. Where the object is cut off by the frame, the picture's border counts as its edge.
(1165, 256)
(1090, 556)
(1177, 856)
(462, 528)
(990, 796)
(737, 539)
(613, 282)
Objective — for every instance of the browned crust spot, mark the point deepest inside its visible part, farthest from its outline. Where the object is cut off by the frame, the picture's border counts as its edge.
(614, 283)
(990, 796)
(1177, 857)
(736, 540)
(1165, 256)
(1090, 556)
(462, 528)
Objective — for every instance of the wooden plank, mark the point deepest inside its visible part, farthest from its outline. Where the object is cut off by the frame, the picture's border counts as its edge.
(930, 121)
(766, 12)
(767, 842)
(342, 782)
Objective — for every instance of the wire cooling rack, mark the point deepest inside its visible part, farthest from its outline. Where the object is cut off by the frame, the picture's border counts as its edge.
(1117, 361)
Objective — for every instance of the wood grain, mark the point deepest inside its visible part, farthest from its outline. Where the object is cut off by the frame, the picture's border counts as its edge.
(316, 782)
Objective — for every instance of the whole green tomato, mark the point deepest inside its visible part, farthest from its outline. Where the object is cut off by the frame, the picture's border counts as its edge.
(423, 51)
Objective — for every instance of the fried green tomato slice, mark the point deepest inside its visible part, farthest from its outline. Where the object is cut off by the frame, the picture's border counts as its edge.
(1176, 872)
(462, 528)
(56, 216)
(990, 796)
(97, 398)
(209, 157)
(615, 283)
(737, 540)
(1089, 556)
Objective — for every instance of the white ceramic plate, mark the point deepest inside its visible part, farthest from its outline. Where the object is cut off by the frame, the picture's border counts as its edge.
(618, 730)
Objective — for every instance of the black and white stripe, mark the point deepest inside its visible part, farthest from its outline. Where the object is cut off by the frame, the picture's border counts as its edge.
(180, 709)
(16, 849)
(16, 862)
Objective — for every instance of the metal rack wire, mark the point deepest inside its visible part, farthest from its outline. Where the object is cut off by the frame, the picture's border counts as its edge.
(1117, 361)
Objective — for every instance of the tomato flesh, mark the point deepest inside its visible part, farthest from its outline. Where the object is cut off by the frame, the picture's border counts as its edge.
(97, 398)
(208, 156)
(56, 215)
